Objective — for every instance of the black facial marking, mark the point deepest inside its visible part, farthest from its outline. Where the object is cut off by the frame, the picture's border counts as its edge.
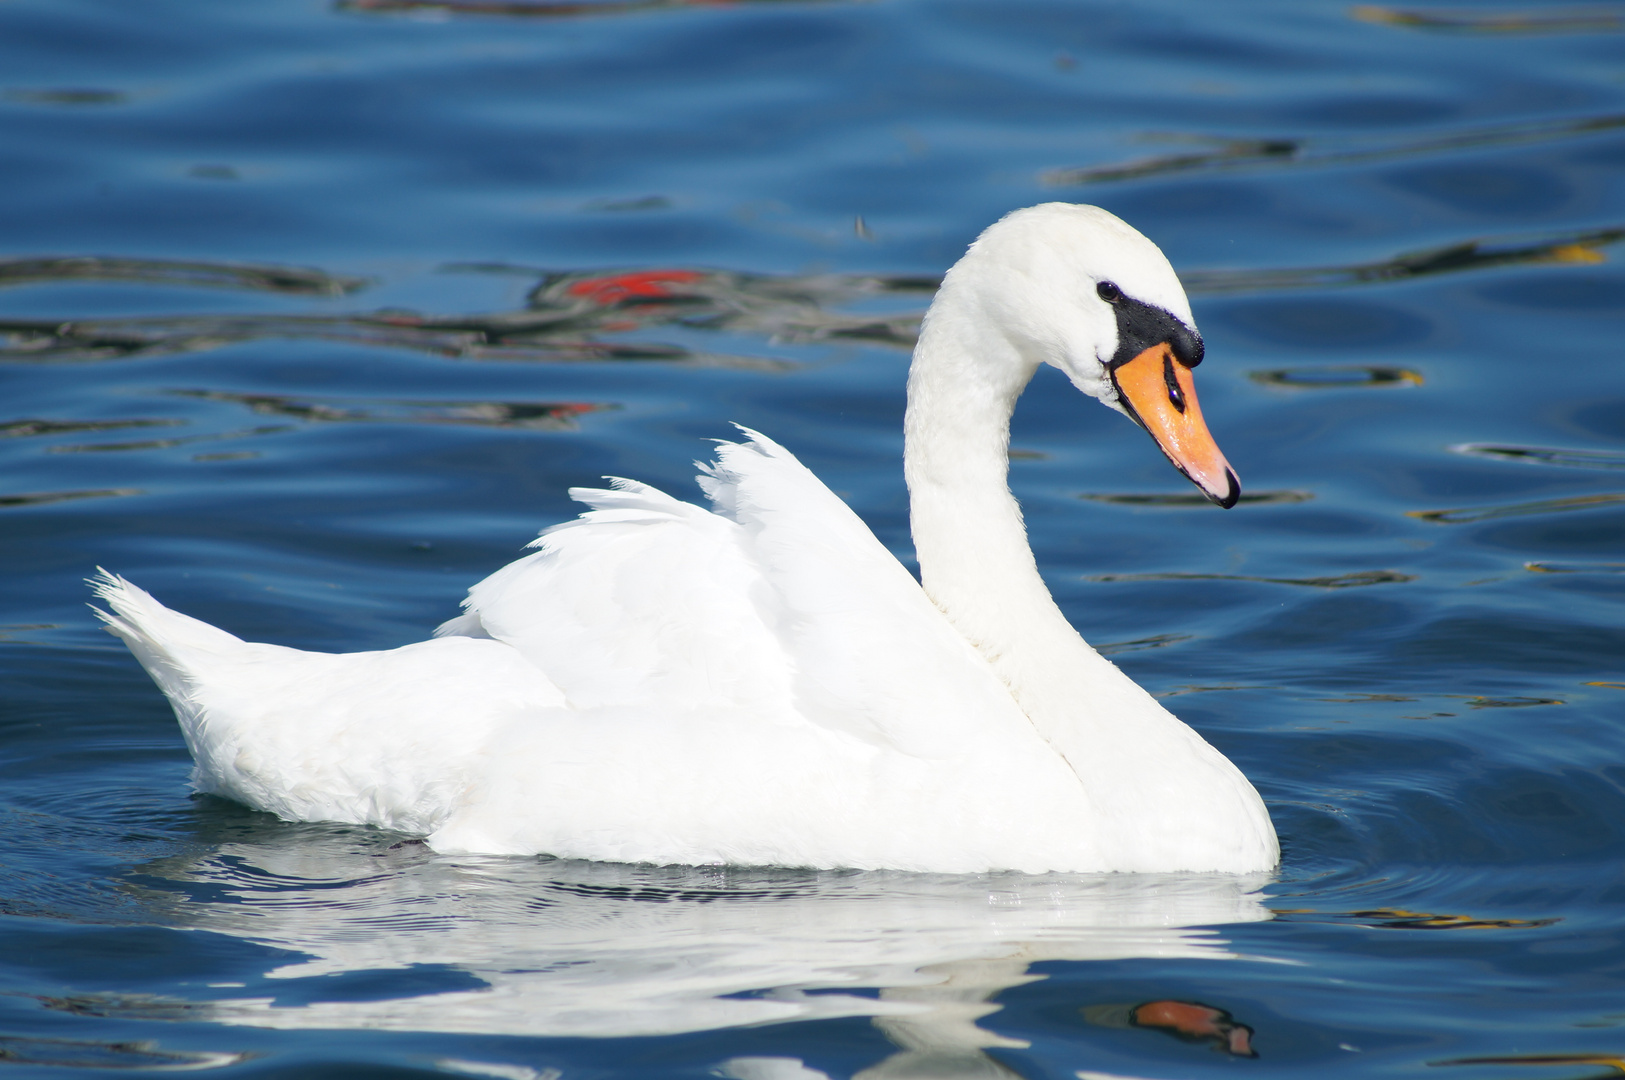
(1140, 326)
(1176, 396)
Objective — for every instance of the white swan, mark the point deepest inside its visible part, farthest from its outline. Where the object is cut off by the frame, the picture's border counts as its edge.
(763, 683)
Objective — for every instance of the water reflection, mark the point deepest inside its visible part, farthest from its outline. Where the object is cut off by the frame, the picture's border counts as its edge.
(580, 316)
(1352, 580)
(1337, 377)
(1471, 514)
(1482, 254)
(1155, 641)
(295, 280)
(527, 415)
(1221, 154)
(513, 415)
(565, 316)
(1612, 1064)
(20, 429)
(1502, 22)
(1188, 1021)
(1180, 499)
(90, 1054)
(536, 947)
(40, 498)
(165, 444)
(1388, 918)
(536, 9)
(1544, 455)
(68, 96)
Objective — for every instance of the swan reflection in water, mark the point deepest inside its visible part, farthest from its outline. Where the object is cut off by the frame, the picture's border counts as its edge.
(513, 946)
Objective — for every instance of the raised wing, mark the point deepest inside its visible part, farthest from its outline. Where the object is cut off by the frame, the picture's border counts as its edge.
(872, 654)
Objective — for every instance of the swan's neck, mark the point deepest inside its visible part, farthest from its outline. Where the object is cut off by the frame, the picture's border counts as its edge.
(975, 561)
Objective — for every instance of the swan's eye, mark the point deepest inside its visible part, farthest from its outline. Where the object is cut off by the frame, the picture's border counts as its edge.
(1108, 292)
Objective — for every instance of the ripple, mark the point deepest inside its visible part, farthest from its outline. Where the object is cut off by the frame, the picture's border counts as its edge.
(1573, 21)
(1337, 377)
(1508, 702)
(72, 97)
(40, 498)
(293, 280)
(1181, 691)
(1192, 499)
(92, 1054)
(567, 313)
(527, 415)
(534, 9)
(21, 429)
(1387, 918)
(1542, 455)
(1225, 154)
(1354, 580)
(563, 317)
(1569, 248)
(25, 633)
(1468, 515)
(1156, 641)
(165, 444)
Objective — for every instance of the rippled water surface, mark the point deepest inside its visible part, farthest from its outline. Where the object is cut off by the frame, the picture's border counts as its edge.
(309, 314)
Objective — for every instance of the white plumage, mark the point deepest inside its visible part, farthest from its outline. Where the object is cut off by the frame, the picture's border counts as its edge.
(763, 683)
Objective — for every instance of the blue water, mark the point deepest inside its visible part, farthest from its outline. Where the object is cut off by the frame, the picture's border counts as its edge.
(309, 314)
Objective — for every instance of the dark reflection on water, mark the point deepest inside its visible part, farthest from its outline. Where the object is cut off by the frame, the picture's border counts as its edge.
(67, 1053)
(64, 96)
(1339, 581)
(1337, 376)
(40, 498)
(538, 415)
(16, 429)
(1471, 514)
(534, 9)
(1537, 455)
(1574, 20)
(277, 279)
(564, 315)
(1195, 500)
(1581, 248)
(1396, 919)
(1227, 154)
(311, 313)
(567, 314)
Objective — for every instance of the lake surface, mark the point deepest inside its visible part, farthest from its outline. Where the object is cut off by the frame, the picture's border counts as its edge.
(310, 313)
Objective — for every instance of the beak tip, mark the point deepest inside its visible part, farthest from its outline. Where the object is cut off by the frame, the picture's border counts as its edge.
(1232, 492)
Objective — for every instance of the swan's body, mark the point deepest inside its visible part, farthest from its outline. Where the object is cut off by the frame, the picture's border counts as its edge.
(763, 683)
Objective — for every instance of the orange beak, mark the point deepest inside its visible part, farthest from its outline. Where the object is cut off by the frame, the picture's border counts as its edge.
(1159, 394)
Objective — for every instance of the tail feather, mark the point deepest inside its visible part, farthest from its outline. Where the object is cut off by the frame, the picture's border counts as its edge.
(166, 642)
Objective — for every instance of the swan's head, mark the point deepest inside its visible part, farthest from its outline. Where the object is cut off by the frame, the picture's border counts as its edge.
(1081, 290)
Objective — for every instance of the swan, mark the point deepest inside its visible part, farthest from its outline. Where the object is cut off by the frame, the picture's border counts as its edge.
(763, 683)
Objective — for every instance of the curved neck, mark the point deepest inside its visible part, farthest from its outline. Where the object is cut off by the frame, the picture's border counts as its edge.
(978, 568)
(975, 561)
